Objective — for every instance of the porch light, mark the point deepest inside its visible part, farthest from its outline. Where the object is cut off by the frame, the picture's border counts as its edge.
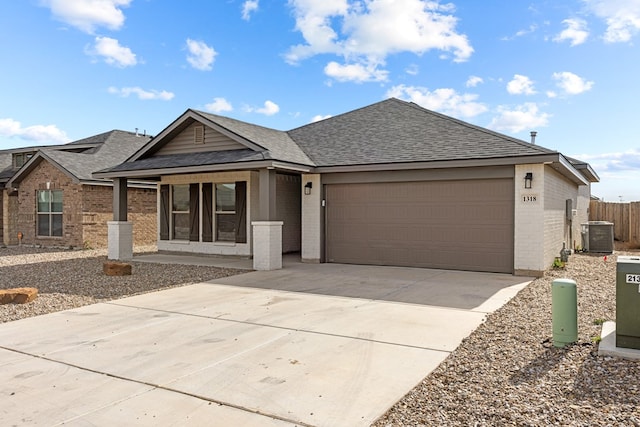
(527, 179)
(307, 188)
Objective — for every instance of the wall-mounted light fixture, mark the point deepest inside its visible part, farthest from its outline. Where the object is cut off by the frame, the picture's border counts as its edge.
(527, 179)
(307, 188)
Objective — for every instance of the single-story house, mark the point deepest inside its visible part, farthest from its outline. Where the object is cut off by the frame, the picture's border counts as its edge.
(388, 184)
(49, 197)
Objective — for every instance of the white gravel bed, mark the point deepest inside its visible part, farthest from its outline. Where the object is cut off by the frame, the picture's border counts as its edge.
(507, 373)
(73, 278)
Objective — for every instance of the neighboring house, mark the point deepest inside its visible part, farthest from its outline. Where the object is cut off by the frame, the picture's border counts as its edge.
(388, 184)
(49, 197)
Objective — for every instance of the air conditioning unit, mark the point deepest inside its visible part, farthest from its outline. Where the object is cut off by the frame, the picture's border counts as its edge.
(597, 236)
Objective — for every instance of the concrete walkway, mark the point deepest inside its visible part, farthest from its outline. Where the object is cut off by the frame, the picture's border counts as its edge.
(321, 345)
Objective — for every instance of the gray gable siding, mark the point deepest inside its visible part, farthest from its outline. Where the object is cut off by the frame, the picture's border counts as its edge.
(184, 142)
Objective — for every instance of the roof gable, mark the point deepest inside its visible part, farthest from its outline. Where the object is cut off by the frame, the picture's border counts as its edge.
(195, 138)
(225, 134)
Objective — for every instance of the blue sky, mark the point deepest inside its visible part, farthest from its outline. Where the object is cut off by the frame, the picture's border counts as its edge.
(566, 69)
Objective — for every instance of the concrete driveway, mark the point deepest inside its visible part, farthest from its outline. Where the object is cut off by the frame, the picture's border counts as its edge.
(321, 345)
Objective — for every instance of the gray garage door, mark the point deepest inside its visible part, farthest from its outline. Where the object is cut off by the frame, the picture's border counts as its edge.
(459, 225)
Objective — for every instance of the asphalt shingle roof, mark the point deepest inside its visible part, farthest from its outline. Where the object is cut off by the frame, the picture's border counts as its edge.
(114, 148)
(191, 159)
(388, 132)
(395, 131)
(105, 150)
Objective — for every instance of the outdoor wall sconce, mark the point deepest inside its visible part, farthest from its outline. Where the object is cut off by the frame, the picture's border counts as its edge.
(527, 179)
(307, 188)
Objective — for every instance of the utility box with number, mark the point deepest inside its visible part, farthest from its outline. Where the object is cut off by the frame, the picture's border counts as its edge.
(628, 302)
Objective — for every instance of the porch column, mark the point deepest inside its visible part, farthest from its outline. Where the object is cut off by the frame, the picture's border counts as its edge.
(120, 231)
(267, 232)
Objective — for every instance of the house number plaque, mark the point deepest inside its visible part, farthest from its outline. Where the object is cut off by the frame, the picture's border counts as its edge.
(529, 198)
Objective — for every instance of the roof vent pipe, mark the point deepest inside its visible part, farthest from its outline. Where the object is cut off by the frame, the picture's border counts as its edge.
(533, 136)
(137, 132)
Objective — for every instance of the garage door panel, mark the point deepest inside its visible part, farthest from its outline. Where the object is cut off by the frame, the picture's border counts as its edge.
(466, 225)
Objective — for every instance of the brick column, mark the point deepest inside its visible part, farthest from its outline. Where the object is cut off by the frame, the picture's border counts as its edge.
(267, 245)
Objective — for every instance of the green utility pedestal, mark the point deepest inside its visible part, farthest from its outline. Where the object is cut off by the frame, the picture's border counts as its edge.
(628, 302)
(564, 310)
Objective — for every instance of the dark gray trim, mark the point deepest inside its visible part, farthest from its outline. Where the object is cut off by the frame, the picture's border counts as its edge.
(120, 199)
(164, 212)
(207, 212)
(156, 173)
(267, 195)
(420, 175)
(194, 212)
(241, 211)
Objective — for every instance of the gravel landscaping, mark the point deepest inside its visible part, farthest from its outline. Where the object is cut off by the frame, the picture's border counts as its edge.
(73, 278)
(507, 373)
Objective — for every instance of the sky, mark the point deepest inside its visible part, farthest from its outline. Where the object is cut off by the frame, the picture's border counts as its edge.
(567, 69)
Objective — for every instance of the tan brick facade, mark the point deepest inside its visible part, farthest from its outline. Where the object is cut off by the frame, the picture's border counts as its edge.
(87, 208)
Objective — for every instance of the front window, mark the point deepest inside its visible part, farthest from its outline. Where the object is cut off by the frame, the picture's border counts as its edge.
(19, 159)
(226, 212)
(180, 212)
(49, 213)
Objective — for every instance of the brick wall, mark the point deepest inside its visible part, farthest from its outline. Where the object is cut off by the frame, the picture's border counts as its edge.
(87, 208)
(10, 218)
(97, 210)
(557, 229)
(312, 220)
(529, 221)
(43, 177)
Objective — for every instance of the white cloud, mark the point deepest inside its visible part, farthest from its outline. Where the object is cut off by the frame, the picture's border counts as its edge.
(532, 28)
(520, 85)
(248, 7)
(200, 56)
(219, 105)
(358, 73)
(622, 18)
(525, 116)
(474, 81)
(445, 100)
(572, 84)
(365, 33)
(270, 108)
(113, 53)
(142, 94)
(575, 32)
(319, 117)
(412, 70)
(38, 134)
(87, 15)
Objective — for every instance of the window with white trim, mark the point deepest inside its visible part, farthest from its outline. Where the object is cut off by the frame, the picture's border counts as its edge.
(180, 212)
(226, 212)
(49, 207)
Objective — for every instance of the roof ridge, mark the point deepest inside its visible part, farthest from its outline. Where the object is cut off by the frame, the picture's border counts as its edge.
(476, 127)
(342, 114)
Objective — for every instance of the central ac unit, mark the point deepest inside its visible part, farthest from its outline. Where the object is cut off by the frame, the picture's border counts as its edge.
(597, 236)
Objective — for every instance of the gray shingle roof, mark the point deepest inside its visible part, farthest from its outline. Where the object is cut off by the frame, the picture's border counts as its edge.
(190, 159)
(388, 132)
(114, 148)
(106, 150)
(394, 131)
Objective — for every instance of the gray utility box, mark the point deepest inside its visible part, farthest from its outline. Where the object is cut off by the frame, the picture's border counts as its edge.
(628, 302)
